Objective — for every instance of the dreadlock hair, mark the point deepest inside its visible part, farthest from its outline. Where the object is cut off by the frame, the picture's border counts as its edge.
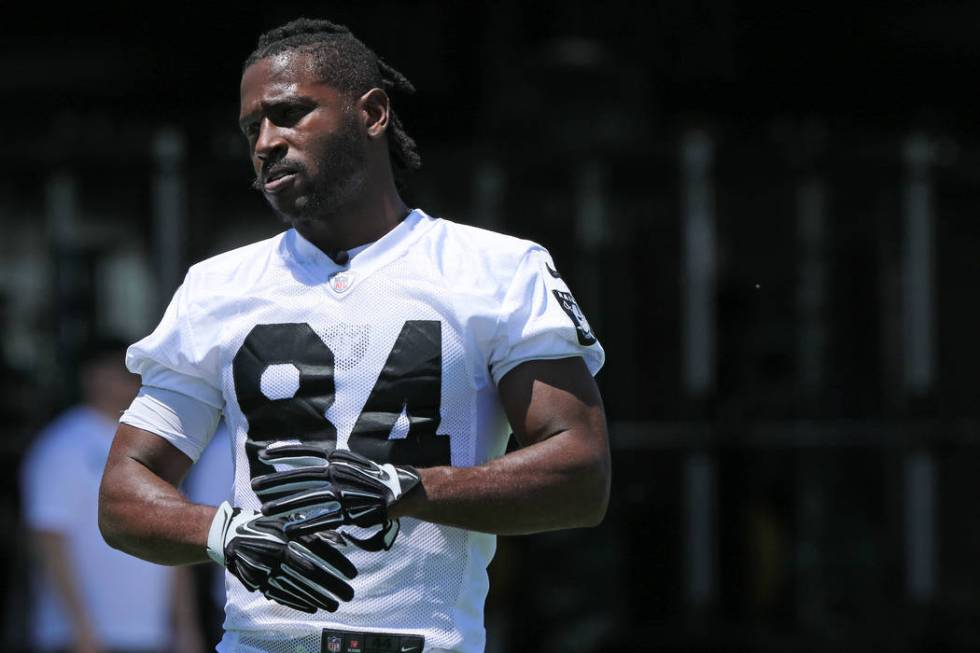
(348, 65)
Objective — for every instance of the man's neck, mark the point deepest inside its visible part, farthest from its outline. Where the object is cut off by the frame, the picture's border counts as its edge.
(355, 224)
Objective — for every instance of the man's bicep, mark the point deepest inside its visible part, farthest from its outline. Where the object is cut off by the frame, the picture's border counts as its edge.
(141, 511)
(150, 450)
(545, 397)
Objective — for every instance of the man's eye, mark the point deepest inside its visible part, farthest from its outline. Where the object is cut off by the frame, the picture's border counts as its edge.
(251, 130)
(290, 116)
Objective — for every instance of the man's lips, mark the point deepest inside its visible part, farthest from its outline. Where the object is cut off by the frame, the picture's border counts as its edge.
(279, 181)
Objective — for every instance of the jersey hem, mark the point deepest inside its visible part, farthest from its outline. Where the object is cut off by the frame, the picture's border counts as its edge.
(182, 444)
(501, 370)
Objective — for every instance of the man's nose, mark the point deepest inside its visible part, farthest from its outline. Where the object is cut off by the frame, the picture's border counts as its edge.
(270, 140)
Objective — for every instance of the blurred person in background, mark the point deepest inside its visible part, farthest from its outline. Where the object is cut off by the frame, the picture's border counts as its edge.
(88, 597)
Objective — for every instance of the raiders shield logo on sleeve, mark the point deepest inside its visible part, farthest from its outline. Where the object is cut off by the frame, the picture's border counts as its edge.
(582, 328)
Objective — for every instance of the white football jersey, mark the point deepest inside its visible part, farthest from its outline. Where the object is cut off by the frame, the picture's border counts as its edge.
(395, 355)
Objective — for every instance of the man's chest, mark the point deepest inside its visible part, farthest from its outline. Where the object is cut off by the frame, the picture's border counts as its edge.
(382, 371)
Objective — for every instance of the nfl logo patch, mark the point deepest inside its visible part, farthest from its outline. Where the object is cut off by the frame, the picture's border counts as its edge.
(333, 644)
(341, 281)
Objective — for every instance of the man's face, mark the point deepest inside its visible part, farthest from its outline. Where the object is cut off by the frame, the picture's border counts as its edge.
(307, 149)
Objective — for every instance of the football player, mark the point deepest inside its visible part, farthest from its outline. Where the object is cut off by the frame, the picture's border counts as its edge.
(370, 362)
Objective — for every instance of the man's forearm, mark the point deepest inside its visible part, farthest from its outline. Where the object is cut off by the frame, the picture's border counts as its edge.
(145, 516)
(561, 482)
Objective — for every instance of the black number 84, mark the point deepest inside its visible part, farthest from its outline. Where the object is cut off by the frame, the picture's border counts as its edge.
(410, 382)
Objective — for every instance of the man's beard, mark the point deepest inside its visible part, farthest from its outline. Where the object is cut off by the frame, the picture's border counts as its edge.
(341, 177)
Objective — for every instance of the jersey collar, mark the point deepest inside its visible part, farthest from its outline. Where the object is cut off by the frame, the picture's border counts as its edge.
(364, 259)
(307, 253)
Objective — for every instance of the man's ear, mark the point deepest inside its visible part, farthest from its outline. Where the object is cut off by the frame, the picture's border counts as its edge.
(374, 111)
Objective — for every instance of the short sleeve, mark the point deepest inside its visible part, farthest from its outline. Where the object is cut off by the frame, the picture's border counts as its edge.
(173, 359)
(177, 417)
(540, 319)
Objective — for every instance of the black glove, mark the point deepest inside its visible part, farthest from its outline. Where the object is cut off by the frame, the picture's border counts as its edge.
(304, 572)
(325, 491)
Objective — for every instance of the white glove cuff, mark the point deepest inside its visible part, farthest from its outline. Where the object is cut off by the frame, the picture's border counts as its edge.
(393, 482)
(218, 533)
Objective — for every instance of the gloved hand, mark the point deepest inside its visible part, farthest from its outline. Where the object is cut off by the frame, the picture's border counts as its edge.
(305, 572)
(326, 490)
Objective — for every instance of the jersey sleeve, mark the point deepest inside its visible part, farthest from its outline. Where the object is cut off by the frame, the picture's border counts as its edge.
(540, 319)
(174, 359)
(178, 418)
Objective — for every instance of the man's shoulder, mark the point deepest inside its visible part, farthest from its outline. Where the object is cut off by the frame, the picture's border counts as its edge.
(233, 262)
(478, 261)
(465, 248)
(482, 241)
(234, 273)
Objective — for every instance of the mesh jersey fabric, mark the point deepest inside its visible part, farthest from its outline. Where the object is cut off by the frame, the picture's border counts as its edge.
(395, 354)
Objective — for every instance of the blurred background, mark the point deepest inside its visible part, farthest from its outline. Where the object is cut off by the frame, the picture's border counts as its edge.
(768, 214)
